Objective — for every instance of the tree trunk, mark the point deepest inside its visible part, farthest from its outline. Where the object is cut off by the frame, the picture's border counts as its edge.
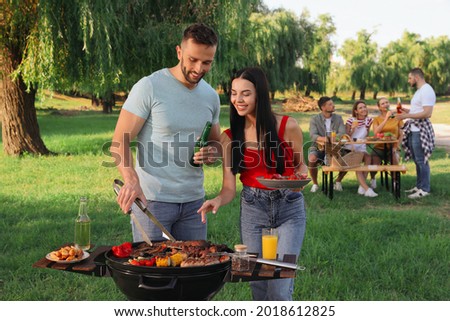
(20, 129)
(353, 94)
(375, 94)
(95, 102)
(307, 92)
(108, 102)
(362, 94)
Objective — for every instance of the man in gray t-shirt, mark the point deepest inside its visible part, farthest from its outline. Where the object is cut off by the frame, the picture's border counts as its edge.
(167, 111)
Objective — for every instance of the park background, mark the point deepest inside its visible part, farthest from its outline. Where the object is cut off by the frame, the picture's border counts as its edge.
(73, 66)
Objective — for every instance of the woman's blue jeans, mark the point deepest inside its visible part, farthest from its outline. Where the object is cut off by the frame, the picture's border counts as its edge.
(281, 209)
(422, 166)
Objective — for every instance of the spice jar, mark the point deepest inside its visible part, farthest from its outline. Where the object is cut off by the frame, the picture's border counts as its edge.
(240, 260)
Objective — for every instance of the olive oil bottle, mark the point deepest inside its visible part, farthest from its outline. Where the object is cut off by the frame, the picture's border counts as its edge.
(83, 226)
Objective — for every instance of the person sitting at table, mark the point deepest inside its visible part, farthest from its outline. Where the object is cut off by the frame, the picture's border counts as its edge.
(384, 123)
(319, 125)
(358, 127)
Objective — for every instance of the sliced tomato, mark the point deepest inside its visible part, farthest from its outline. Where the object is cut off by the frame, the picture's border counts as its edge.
(276, 176)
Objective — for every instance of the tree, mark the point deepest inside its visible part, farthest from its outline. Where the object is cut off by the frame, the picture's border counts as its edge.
(87, 46)
(360, 56)
(437, 63)
(317, 61)
(278, 42)
(20, 130)
(338, 78)
(399, 57)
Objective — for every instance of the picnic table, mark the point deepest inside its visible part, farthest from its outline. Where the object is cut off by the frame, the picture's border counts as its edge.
(386, 169)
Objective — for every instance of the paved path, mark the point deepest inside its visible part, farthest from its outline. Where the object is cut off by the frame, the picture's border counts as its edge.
(442, 133)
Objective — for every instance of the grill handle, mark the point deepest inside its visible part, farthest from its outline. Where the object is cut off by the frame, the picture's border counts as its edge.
(170, 286)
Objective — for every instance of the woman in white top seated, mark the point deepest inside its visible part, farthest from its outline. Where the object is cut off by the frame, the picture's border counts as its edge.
(358, 127)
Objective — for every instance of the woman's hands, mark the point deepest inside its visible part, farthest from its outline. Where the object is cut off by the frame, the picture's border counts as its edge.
(211, 205)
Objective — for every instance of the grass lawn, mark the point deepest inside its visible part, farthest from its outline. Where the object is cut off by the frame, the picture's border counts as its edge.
(355, 248)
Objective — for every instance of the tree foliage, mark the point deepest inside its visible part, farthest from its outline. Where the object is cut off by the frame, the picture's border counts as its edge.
(99, 47)
(360, 57)
(317, 60)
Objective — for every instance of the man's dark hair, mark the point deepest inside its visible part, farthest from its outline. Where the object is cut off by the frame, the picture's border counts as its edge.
(322, 101)
(417, 72)
(200, 34)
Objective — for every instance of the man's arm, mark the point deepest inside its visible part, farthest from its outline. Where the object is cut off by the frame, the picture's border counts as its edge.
(127, 128)
(314, 131)
(341, 127)
(426, 113)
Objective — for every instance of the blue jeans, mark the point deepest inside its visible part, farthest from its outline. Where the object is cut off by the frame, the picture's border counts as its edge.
(422, 167)
(180, 219)
(281, 209)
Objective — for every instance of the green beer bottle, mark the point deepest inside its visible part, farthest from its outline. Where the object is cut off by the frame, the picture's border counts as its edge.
(201, 142)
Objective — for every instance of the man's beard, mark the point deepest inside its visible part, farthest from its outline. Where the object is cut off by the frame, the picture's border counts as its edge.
(186, 75)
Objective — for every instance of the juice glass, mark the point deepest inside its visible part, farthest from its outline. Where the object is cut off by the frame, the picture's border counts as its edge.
(269, 243)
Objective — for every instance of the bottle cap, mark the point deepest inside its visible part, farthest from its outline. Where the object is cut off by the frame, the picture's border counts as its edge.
(240, 248)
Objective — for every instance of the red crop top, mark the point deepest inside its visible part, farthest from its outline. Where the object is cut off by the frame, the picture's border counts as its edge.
(255, 162)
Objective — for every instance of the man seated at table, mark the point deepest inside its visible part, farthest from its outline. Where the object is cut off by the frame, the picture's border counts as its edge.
(319, 125)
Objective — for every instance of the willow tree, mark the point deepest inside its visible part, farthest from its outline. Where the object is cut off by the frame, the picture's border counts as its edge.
(360, 56)
(96, 47)
(20, 130)
(437, 63)
(56, 45)
(278, 43)
(399, 56)
(317, 62)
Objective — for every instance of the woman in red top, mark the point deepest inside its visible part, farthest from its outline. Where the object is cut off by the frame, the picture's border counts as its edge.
(261, 143)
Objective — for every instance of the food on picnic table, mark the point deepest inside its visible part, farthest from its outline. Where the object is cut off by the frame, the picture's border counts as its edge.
(388, 136)
(177, 254)
(67, 253)
(292, 177)
(345, 138)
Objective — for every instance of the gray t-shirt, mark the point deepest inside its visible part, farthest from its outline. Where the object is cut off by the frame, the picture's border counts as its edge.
(175, 117)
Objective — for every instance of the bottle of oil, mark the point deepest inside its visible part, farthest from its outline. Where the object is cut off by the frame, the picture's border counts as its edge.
(201, 142)
(83, 226)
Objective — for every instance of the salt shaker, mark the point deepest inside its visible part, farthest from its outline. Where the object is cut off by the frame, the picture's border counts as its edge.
(240, 260)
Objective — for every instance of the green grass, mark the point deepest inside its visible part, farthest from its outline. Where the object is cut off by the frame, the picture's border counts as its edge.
(355, 248)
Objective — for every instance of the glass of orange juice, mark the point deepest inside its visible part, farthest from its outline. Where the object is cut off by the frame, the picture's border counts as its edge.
(269, 243)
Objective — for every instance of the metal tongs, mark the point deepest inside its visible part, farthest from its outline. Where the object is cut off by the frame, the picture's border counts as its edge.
(117, 185)
(286, 265)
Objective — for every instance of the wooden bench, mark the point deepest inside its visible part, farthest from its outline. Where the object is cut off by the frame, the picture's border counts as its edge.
(394, 170)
